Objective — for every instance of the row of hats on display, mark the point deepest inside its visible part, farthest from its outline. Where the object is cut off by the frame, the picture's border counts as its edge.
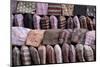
(47, 54)
(53, 22)
(25, 36)
(52, 8)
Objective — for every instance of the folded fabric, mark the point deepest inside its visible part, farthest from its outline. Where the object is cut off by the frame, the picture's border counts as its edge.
(19, 35)
(70, 24)
(83, 22)
(25, 56)
(89, 23)
(67, 9)
(42, 54)
(54, 9)
(28, 20)
(45, 22)
(51, 37)
(36, 23)
(91, 11)
(53, 22)
(76, 22)
(16, 56)
(80, 52)
(62, 22)
(88, 53)
(42, 8)
(13, 6)
(72, 54)
(78, 36)
(80, 10)
(35, 37)
(50, 55)
(65, 52)
(90, 38)
(58, 53)
(19, 20)
(26, 7)
(34, 55)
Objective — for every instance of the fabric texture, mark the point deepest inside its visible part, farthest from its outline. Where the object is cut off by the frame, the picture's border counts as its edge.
(62, 22)
(36, 19)
(25, 55)
(78, 36)
(88, 53)
(90, 38)
(28, 21)
(51, 37)
(89, 23)
(13, 6)
(70, 23)
(83, 22)
(16, 56)
(54, 9)
(50, 55)
(42, 8)
(34, 55)
(42, 54)
(58, 53)
(19, 35)
(80, 53)
(35, 37)
(76, 22)
(91, 11)
(45, 22)
(26, 7)
(65, 52)
(72, 54)
(67, 9)
(53, 22)
(19, 20)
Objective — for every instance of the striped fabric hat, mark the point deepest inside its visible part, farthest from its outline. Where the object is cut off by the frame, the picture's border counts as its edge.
(72, 53)
(89, 23)
(70, 23)
(34, 55)
(54, 9)
(42, 54)
(58, 53)
(25, 56)
(53, 22)
(26, 7)
(50, 55)
(65, 52)
(62, 22)
(88, 53)
(16, 56)
(45, 22)
(80, 52)
(83, 23)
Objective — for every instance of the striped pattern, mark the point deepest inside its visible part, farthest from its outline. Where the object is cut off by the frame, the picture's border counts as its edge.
(35, 55)
(25, 55)
(80, 53)
(88, 53)
(42, 54)
(65, 52)
(50, 55)
(54, 9)
(16, 56)
(45, 22)
(62, 22)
